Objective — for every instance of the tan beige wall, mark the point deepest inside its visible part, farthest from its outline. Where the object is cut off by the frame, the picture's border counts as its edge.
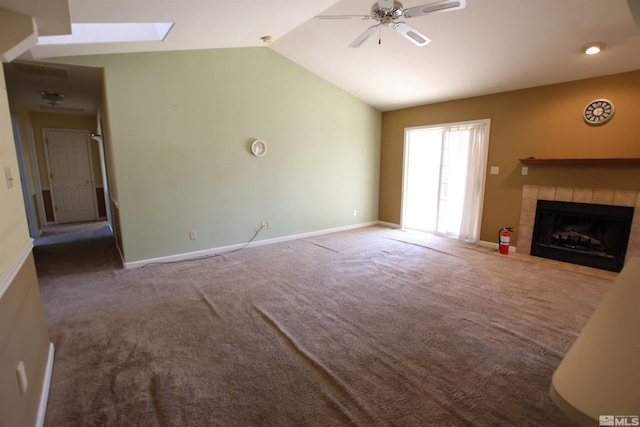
(23, 334)
(23, 337)
(13, 222)
(17, 33)
(543, 122)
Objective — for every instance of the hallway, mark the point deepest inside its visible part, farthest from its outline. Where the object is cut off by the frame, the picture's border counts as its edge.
(68, 249)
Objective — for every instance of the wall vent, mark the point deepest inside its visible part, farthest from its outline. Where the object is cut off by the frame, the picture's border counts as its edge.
(42, 70)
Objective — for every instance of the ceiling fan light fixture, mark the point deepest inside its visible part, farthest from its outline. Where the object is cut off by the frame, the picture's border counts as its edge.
(52, 98)
(594, 48)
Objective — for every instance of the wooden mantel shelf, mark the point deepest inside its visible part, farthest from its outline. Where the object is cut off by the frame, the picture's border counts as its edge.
(594, 162)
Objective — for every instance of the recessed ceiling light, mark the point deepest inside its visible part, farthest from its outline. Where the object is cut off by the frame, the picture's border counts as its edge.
(593, 48)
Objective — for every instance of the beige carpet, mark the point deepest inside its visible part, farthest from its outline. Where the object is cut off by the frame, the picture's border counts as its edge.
(369, 327)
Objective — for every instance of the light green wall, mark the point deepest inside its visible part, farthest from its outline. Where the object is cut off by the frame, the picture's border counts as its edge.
(181, 124)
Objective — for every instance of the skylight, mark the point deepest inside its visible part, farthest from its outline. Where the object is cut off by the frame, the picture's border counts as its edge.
(111, 33)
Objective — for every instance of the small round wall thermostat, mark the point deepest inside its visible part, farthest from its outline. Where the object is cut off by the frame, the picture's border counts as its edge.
(258, 148)
(598, 112)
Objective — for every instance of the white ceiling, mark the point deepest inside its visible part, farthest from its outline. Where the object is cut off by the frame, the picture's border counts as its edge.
(490, 46)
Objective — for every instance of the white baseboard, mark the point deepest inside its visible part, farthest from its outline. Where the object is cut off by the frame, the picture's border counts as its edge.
(46, 385)
(215, 251)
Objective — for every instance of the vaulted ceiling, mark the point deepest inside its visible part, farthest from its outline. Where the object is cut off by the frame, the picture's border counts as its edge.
(489, 46)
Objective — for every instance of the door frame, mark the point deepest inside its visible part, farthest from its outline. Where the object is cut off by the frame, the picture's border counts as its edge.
(35, 173)
(30, 209)
(49, 173)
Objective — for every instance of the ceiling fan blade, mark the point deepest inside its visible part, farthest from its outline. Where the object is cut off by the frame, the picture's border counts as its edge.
(364, 36)
(413, 35)
(363, 17)
(439, 6)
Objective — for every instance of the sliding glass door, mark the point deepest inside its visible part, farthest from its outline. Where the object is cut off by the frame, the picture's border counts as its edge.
(444, 175)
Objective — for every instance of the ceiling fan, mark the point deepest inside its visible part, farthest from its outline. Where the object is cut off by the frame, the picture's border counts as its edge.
(387, 13)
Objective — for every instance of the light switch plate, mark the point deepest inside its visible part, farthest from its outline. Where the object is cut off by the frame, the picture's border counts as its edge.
(495, 170)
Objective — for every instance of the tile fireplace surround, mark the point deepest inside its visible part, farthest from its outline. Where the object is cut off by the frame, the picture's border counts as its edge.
(532, 193)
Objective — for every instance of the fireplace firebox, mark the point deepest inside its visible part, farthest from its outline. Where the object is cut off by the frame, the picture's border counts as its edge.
(580, 233)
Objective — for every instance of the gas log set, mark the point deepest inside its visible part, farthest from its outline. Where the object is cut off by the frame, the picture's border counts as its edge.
(578, 237)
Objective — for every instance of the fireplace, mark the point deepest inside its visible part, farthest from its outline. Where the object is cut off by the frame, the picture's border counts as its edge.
(587, 234)
(531, 194)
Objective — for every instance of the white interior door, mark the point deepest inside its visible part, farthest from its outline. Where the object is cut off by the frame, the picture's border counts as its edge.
(72, 190)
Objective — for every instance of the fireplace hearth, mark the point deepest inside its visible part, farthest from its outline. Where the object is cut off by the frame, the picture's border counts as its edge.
(586, 234)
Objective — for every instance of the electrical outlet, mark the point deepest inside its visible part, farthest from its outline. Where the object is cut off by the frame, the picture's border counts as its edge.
(193, 235)
(265, 224)
(22, 378)
(355, 212)
(495, 170)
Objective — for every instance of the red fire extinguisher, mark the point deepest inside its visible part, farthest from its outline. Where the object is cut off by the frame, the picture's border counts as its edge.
(504, 237)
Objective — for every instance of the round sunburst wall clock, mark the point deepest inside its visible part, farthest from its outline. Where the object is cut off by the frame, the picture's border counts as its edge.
(598, 112)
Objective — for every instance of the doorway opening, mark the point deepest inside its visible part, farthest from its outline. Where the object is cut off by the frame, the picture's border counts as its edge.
(55, 191)
(444, 178)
